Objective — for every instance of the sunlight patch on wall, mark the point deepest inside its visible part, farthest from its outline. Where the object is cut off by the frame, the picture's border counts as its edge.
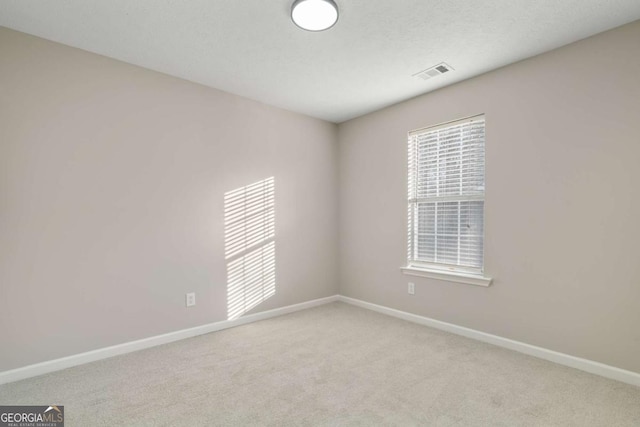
(249, 221)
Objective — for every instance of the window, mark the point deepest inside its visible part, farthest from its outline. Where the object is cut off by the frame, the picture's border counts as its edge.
(446, 197)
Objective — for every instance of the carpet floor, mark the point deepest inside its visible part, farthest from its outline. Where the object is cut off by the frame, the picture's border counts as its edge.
(333, 365)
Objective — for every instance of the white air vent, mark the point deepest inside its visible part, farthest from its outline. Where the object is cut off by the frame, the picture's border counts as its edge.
(434, 71)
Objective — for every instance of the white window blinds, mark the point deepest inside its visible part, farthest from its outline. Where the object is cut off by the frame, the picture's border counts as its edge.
(446, 195)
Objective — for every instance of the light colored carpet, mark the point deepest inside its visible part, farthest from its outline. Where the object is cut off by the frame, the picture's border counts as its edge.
(332, 365)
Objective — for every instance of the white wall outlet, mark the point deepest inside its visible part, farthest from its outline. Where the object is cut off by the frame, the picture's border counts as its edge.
(190, 299)
(412, 288)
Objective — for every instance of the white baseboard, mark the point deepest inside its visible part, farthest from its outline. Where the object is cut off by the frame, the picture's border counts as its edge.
(104, 353)
(590, 366)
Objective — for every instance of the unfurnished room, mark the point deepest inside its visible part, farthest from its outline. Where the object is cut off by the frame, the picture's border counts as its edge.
(319, 213)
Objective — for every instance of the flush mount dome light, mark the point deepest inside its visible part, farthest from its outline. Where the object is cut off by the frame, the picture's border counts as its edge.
(314, 15)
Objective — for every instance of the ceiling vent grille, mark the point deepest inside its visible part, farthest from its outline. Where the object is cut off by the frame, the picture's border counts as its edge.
(434, 71)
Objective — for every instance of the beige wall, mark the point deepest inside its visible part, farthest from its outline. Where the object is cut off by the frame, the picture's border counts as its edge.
(111, 199)
(562, 201)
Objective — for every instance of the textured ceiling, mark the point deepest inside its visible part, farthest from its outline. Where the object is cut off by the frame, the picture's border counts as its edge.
(365, 62)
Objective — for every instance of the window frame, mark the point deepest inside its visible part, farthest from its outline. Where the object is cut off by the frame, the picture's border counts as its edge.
(450, 272)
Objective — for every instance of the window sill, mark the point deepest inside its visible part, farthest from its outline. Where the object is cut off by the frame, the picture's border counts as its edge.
(450, 276)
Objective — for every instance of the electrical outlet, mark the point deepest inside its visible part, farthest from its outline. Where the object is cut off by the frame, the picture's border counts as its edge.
(412, 288)
(190, 299)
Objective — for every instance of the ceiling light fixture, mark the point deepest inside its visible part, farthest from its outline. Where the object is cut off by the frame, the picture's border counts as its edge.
(314, 15)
